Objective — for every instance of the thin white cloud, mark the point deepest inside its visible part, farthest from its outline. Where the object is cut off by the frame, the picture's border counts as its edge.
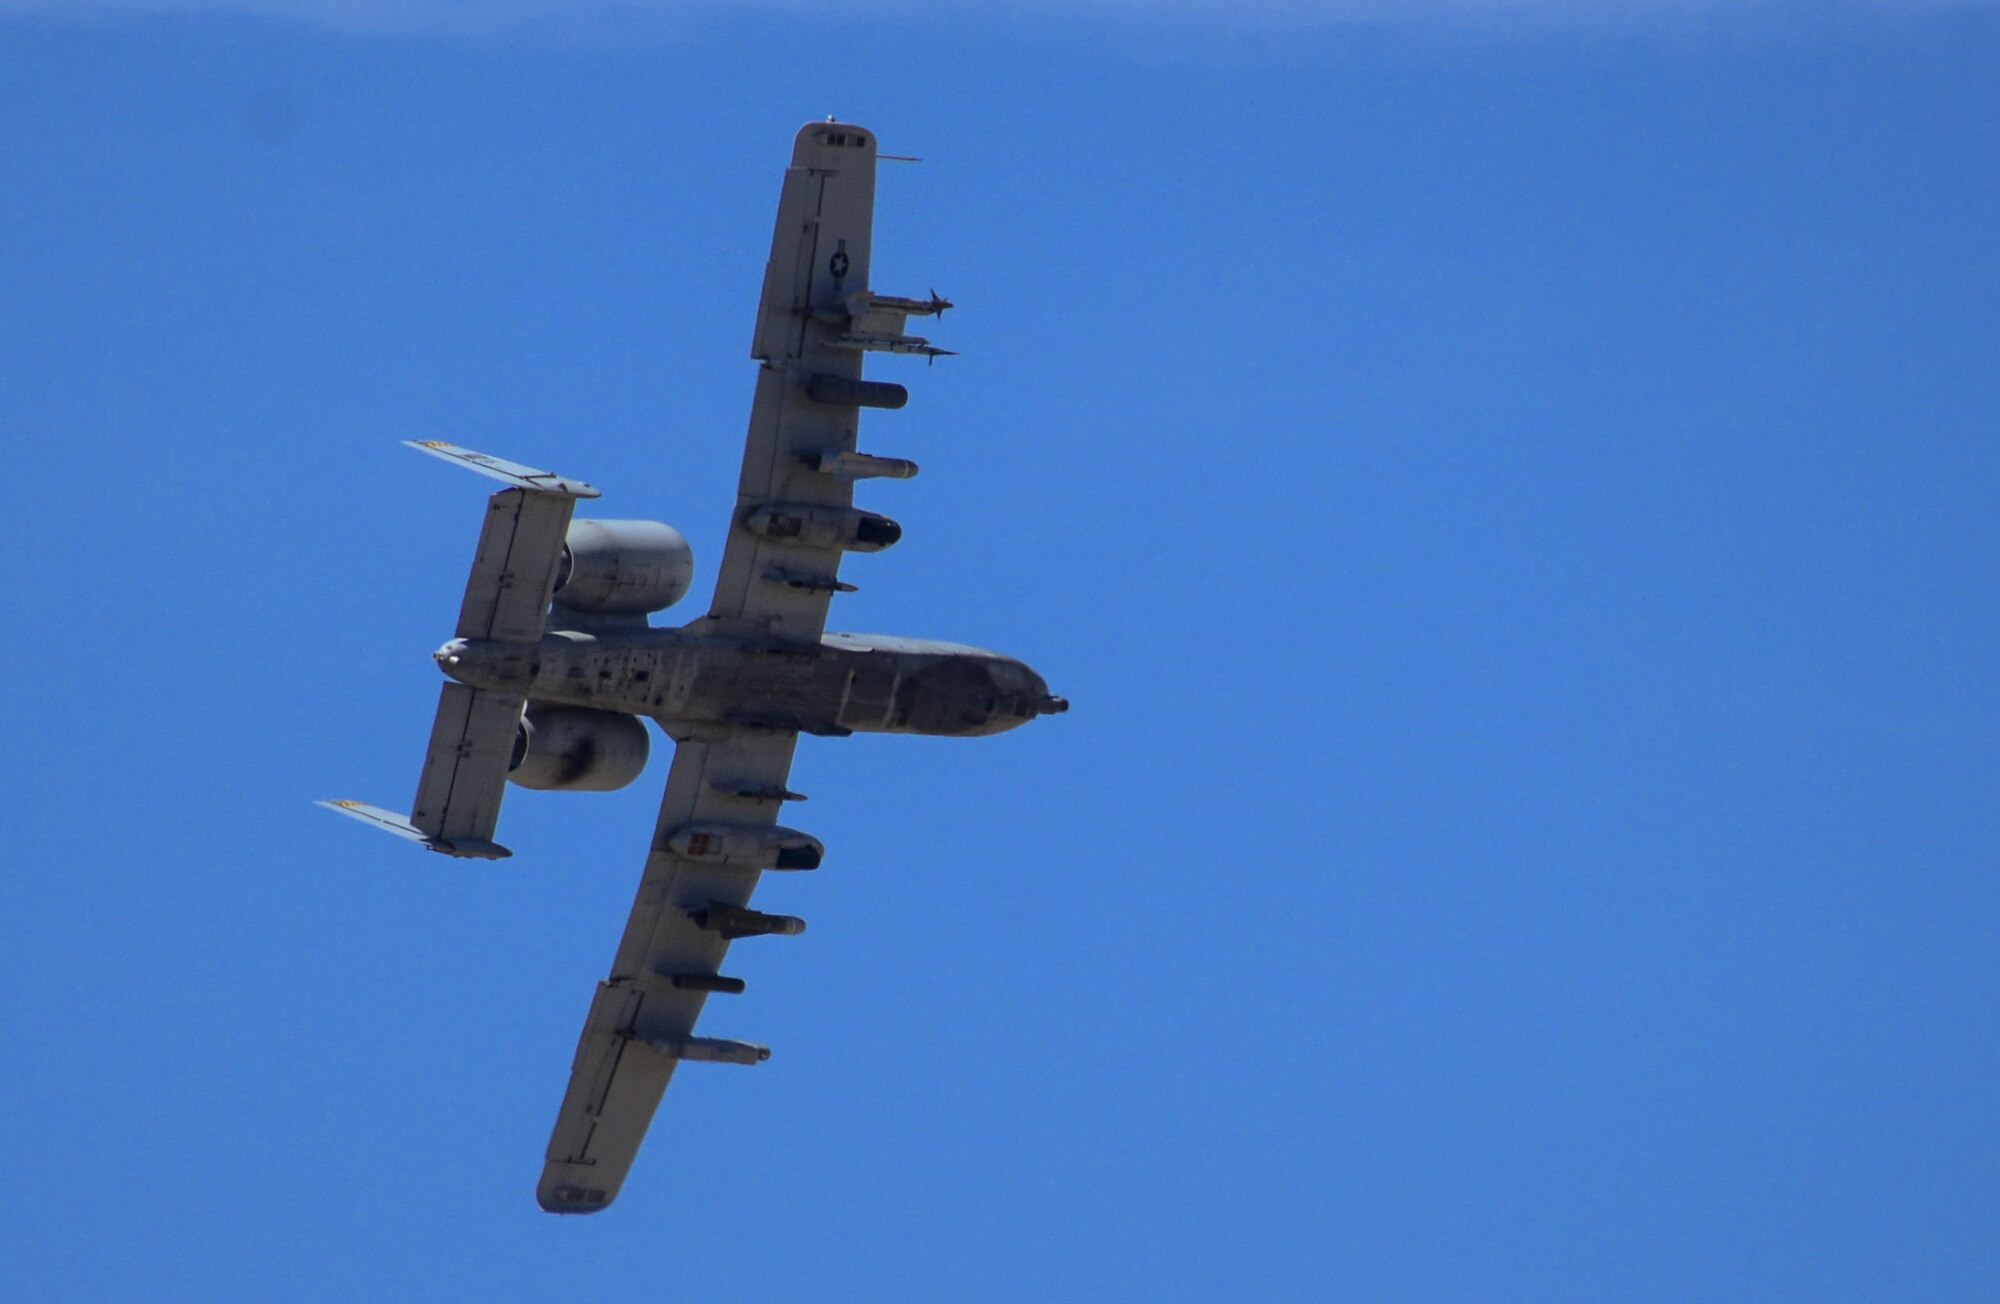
(503, 16)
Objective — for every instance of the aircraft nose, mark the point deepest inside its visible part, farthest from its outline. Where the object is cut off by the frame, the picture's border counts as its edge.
(1040, 701)
(451, 655)
(1031, 695)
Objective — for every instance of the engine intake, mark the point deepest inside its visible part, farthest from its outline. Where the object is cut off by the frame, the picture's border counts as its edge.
(576, 749)
(623, 566)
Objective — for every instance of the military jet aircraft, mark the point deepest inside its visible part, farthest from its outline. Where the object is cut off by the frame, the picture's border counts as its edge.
(555, 665)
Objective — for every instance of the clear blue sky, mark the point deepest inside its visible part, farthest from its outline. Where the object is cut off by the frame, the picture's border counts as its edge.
(1512, 499)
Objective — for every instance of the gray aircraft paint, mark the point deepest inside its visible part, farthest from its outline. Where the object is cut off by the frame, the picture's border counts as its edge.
(686, 679)
(554, 657)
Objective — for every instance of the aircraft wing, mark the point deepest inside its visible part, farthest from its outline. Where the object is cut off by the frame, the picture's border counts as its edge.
(779, 570)
(813, 329)
(641, 1023)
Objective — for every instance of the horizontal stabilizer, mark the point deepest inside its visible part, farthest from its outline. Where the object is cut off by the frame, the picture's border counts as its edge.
(512, 473)
(514, 570)
(389, 821)
(465, 766)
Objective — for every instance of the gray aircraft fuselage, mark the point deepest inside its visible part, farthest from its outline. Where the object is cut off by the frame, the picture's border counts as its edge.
(686, 677)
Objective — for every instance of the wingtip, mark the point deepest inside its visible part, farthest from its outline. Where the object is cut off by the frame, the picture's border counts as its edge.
(499, 468)
(574, 1199)
(391, 822)
(469, 849)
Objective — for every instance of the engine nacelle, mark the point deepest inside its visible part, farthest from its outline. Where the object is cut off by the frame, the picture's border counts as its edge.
(576, 749)
(623, 566)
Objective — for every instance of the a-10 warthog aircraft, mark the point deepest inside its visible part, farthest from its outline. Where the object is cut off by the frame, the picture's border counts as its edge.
(555, 665)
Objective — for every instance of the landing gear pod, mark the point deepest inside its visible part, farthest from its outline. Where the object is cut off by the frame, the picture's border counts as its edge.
(811, 526)
(747, 846)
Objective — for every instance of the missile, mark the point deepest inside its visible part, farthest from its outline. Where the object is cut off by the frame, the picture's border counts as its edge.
(707, 982)
(734, 921)
(839, 391)
(712, 1050)
(843, 465)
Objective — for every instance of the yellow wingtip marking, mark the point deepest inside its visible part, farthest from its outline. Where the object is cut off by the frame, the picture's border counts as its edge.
(434, 443)
(347, 805)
